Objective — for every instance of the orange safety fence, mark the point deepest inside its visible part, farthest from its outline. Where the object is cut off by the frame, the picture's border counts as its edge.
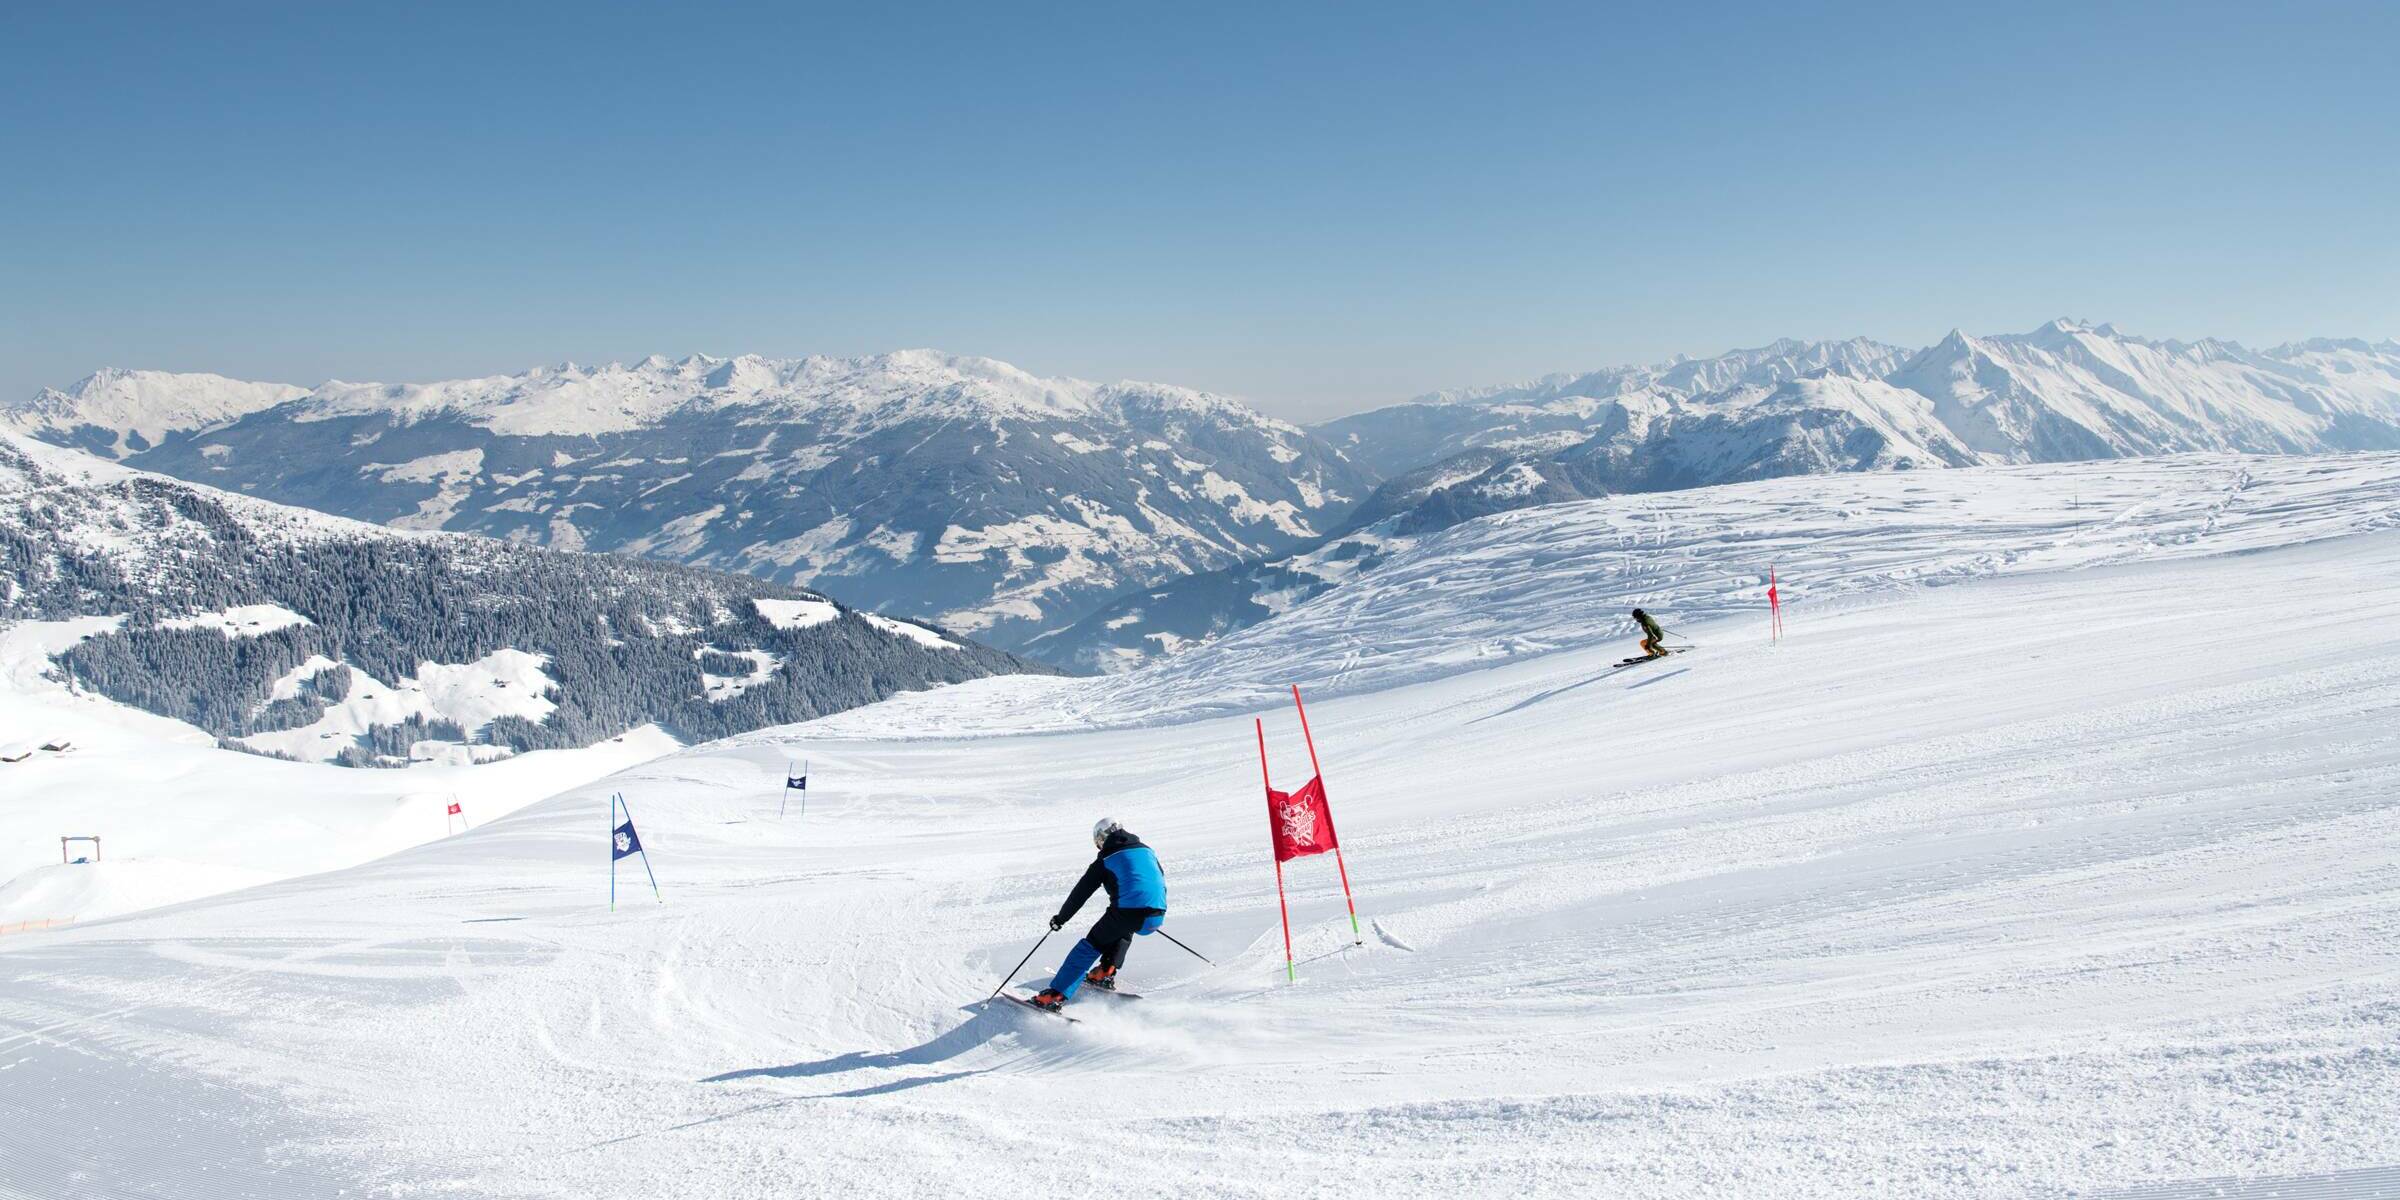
(30, 926)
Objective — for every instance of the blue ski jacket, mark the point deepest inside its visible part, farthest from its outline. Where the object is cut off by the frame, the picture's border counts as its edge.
(1129, 871)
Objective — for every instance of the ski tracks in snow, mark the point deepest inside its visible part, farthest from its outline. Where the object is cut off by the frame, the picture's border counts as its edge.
(2053, 882)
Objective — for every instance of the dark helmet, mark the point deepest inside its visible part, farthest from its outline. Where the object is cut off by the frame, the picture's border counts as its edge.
(1639, 613)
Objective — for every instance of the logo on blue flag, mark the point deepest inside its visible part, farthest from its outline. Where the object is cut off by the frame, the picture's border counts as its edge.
(627, 841)
(796, 781)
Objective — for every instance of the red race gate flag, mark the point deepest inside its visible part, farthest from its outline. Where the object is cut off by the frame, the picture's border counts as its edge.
(1300, 821)
(454, 811)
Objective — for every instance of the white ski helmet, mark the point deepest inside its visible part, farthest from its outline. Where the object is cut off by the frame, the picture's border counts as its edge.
(1102, 828)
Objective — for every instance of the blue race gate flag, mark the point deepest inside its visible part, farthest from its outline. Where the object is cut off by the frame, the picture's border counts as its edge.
(795, 779)
(623, 842)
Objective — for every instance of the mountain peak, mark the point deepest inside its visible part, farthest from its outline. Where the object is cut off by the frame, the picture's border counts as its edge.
(2055, 333)
(129, 409)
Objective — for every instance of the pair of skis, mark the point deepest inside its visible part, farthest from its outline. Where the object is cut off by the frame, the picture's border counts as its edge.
(1001, 992)
(1639, 659)
(1027, 1002)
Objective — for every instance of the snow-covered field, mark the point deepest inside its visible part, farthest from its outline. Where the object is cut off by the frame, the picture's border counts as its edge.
(1539, 580)
(178, 818)
(2054, 881)
(471, 694)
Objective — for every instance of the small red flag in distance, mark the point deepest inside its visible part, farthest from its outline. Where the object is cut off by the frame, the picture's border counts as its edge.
(454, 811)
(1301, 821)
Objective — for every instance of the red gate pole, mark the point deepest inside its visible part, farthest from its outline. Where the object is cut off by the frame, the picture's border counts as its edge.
(1356, 938)
(1291, 974)
(1774, 606)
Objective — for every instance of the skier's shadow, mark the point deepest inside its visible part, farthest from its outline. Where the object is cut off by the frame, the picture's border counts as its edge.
(941, 1049)
(1661, 678)
(1538, 697)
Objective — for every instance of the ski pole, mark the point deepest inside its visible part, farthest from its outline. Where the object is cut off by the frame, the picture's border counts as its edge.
(1187, 949)
(1012, 971)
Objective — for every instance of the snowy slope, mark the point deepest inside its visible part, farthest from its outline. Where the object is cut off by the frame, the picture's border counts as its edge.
(2066, 392)
(1379, 604)
(2032, 886)
(2038, 884)
(950, 487)
(321, 639)
(179, 818)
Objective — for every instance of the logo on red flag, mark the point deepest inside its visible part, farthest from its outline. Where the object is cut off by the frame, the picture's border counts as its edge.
(1301, 821)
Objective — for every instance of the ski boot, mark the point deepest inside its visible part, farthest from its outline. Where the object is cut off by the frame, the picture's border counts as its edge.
(1050, 999)
(1104, 978)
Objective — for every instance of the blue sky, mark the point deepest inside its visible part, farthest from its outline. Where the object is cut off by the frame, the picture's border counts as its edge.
(1315, 207)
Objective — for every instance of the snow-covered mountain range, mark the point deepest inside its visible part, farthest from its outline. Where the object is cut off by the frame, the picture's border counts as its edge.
(1557, 411)
(1095, 525)
(2065, 392)
(956, 488)
(294, 633)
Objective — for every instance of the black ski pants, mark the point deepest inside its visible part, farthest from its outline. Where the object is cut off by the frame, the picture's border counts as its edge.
(1112, 935)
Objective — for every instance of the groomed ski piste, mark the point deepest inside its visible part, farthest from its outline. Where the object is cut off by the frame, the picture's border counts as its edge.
(178, 817)
(2076, 874)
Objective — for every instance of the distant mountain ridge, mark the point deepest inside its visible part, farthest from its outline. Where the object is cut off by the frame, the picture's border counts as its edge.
(952, 487)
(1557, 410)
(2009, 397)
(294, 633)
(1098, 525)
(2068, 391)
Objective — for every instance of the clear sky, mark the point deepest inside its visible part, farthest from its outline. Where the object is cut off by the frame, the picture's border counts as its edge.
(1317, 207)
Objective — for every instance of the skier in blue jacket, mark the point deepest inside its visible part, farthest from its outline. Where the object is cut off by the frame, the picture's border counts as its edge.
(1137, 903)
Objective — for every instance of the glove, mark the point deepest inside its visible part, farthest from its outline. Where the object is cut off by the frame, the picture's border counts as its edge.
(1057, 923)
